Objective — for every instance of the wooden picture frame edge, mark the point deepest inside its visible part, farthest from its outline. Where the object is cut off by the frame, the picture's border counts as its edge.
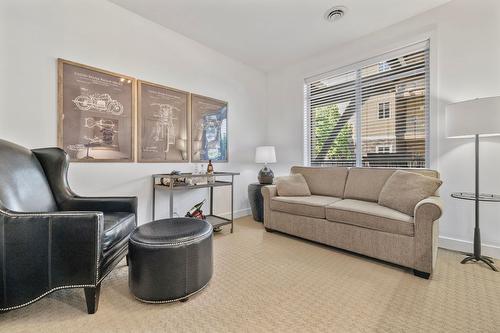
(139, 121)
(60, 112)
(191, 127)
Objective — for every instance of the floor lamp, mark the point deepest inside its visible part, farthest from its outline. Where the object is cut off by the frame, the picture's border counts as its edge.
(474, 118)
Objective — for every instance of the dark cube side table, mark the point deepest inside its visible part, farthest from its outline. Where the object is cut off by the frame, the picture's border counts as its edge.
(256, 201)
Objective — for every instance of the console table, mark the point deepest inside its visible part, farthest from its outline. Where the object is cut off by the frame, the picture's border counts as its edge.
(215, 220)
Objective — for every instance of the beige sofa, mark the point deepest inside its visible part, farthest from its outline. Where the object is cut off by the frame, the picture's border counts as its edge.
(343, 212)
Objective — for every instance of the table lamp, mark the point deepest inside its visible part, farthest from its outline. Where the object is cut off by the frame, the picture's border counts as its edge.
(265, 154)
(472, 119)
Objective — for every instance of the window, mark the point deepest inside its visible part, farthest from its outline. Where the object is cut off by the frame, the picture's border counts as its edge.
(383, 66)
(383, 110)
(344, 110)
(384, 149)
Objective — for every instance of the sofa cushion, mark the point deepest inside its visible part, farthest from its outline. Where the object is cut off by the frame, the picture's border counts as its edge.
(370, 215)
(117, 226)
(403, 190)
(312, 206)
(293, 185)
(366, 183)
(328, 181)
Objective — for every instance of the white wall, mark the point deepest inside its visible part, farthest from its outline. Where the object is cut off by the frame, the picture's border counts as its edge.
(465, 63)
(33, 34)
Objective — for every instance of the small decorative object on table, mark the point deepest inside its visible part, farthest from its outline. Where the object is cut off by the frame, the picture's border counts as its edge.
(210, 172)
(176, 181)
(196, 211)
(265, 154)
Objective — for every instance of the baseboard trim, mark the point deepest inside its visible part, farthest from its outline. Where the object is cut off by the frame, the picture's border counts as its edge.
(466, 246)
(237, 213)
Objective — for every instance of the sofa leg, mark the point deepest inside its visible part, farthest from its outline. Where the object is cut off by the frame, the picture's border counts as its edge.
(268, 229)
(92, 298)
(420, 274)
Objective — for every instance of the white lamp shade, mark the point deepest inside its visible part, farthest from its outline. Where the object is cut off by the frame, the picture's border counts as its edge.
(265, 154)
(477, 116)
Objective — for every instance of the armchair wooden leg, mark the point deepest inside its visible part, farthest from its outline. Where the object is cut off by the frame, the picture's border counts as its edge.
(92, 298)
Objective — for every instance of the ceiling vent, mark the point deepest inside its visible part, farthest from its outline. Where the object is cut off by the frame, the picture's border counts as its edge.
(335, 13)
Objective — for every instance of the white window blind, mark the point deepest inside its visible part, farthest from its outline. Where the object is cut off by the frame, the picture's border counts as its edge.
(375, 114)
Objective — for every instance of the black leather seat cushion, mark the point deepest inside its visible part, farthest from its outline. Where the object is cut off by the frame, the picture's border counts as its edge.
(175, 230)
(117, 226)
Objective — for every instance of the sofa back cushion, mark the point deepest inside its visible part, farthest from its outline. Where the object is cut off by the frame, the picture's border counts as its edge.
(366, 183)
(329, 181)
(292, 186)
(404, 190)
(23, 185)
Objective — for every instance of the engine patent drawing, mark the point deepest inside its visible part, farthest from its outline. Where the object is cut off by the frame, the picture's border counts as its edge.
(164, 126)
(98, 103)
(107, 128)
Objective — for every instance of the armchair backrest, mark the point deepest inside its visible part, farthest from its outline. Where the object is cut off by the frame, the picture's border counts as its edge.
(23, 184)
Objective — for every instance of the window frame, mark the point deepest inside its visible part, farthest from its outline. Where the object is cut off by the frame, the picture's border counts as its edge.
(422, 42)
(388, 146)
(384, 112)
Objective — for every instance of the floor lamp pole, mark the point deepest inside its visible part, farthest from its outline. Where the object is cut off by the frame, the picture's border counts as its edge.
(477, 232)
(476, 256)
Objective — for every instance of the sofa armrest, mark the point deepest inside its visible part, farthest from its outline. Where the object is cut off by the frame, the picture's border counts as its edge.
(427, 214)
(430, 208)
(268, 192)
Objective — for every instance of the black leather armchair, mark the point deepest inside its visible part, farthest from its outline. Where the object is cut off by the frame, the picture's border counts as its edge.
(51, 238)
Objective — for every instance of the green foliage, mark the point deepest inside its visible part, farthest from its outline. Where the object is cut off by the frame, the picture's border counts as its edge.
(326, 117)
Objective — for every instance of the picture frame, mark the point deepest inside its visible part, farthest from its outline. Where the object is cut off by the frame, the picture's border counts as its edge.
(209, 129)
(163, 124)
(96, 113)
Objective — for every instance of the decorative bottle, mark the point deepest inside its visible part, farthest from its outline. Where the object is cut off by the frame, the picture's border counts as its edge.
(210, 172)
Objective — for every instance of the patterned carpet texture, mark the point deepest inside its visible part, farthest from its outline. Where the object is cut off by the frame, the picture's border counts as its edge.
(269, 282)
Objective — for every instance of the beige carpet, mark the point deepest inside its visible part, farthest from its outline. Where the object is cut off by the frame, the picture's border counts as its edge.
(270, 282)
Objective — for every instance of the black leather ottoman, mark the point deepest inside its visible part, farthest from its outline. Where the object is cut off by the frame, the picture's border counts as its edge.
(170, 260)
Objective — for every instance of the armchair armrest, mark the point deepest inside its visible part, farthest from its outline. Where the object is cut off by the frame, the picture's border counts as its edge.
(101, 204)
(427, 213)
(48, 251)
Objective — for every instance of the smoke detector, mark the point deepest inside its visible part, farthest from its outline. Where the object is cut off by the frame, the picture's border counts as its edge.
(335, 13)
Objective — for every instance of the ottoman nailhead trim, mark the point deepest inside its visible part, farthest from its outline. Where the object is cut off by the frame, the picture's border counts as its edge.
(172, 300)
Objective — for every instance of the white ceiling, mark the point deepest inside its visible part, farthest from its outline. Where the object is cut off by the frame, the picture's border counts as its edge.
(267, 34)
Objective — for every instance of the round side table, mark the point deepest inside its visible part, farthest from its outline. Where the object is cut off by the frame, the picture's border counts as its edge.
(256, 201)
(476, 256)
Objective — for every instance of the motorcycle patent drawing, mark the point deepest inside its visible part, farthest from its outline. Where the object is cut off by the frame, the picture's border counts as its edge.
(164, 128)
(98, 103)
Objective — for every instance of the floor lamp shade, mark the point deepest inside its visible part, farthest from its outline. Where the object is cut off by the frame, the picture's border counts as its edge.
(479, 116)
